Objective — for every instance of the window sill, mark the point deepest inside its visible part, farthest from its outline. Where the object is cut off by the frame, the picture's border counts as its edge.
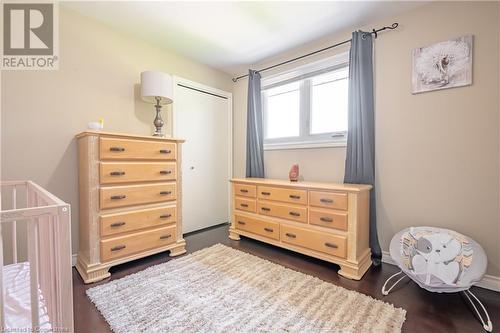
(304, 145)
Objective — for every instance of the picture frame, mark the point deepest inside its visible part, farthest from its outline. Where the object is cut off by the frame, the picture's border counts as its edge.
(442, 65)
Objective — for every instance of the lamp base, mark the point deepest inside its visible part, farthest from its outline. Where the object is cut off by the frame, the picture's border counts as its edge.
(158, 122)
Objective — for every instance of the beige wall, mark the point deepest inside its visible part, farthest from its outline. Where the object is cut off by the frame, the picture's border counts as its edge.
(98, 77)
(437, 153)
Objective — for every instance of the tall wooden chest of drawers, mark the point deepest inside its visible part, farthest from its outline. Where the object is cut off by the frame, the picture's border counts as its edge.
(130, 200)
(323, 220)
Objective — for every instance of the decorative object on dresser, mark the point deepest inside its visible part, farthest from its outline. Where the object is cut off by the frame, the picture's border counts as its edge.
(323, 220)
(156, 88)
(130, 200)
(293, 174)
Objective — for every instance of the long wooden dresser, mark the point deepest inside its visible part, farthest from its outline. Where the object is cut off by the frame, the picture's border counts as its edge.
(130, 200)
(323, 220)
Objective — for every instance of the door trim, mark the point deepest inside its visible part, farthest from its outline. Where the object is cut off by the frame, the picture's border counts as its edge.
(185, 83)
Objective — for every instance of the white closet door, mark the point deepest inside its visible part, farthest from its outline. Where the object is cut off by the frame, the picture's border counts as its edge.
(202, 120)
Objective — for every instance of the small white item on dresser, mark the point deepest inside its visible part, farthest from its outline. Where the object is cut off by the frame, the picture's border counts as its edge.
(96, 125)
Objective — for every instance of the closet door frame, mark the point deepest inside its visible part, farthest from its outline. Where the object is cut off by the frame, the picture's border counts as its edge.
(177, 80)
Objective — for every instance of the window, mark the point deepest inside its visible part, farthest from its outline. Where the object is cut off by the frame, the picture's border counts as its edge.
(283, 103)
(308, 110)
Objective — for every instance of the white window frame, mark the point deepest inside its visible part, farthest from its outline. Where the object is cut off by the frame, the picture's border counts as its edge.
(305, 139)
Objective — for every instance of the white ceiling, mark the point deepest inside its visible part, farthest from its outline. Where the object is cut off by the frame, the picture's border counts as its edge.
(227, 35)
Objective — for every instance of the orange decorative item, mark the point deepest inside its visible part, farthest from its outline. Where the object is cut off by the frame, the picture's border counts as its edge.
(294, 173)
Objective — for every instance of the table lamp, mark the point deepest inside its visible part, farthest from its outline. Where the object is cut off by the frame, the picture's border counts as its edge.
(156, 88)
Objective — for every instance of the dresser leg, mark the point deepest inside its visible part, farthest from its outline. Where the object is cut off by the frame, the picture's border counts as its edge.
(233, 235)
(178, 250)
(356, 272)
(349, 273)
(93, 275)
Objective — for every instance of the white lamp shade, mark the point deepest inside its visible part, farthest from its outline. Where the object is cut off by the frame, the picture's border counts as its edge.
(156, 84)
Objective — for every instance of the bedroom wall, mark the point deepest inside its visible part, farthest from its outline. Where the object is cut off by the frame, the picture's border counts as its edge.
(438, 153)
(98, 78)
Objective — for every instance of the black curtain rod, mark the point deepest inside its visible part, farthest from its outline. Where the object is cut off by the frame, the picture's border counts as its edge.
(374, 32)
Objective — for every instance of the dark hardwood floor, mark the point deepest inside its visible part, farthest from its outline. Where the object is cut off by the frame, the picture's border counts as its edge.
(426, 312)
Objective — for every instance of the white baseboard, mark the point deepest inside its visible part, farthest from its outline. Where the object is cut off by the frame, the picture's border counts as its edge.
(490, 282)
(73, 259)
(386, 258)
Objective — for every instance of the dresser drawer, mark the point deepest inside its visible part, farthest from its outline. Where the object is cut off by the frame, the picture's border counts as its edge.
(282, 194)
(335, 200)
(122, 172)
(112, 149)
(314, 240)
(245, 190)
(112, 224)
(123, 246)
(259, 227)
(247, 205)
(328, 218)
(120, 196)
(290, 212)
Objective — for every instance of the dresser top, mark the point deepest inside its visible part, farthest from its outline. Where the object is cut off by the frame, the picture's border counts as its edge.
(126, 136)
(304, 185)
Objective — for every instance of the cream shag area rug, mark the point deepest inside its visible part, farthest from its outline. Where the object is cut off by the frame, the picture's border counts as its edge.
(220, 289)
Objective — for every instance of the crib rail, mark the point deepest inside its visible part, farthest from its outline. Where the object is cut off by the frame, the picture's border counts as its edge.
(48, 251)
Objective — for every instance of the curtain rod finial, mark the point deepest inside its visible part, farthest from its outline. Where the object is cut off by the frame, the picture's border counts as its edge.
(234, 79)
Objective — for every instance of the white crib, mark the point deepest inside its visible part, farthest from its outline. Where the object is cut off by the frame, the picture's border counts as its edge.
(35, 294)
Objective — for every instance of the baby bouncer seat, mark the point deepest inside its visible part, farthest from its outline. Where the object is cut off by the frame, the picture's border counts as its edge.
(440, 260)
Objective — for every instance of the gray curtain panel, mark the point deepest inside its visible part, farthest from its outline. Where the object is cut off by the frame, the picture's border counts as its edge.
(360, 156)
(255, 134)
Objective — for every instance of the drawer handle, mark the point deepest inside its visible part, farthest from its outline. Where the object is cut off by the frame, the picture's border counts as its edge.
(265, 209)
(290, 235)
(292, 196)
(165, 172)
(269, 229)
(323, 200)
(243, 191)
(165, 192)
(243, 205)
(118, 197)
(117, 173)
(165, 151)
(333, 246)
(165, 236)
(117, 149)
(241, 222)
(117, 224)
(294, 213)
(265, 193)
(166, 216)
(118, 248)
(326, 219)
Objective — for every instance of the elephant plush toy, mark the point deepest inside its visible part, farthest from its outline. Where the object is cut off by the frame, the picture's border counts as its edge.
(435, 257)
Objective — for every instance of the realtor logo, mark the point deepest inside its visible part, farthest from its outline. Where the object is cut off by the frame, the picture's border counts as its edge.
(29, 36)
